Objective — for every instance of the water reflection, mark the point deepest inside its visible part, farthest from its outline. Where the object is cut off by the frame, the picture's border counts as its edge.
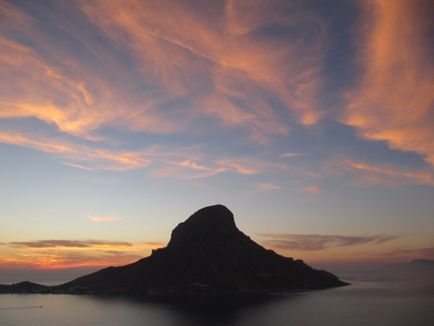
(368, 301)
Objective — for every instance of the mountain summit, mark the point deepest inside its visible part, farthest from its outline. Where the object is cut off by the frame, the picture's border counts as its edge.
(206, 253)
(208, 225)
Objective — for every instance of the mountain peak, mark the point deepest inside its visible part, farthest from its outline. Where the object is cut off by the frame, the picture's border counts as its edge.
(211, 223)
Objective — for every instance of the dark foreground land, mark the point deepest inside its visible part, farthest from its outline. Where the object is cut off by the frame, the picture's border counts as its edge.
(206, 255)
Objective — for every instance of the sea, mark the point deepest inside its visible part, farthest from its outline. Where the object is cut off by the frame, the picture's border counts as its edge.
(373, 298)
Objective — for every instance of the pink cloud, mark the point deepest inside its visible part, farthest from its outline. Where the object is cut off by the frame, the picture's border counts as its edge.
(268, 186)
(393, 100)
(313, 189)
(104, 218)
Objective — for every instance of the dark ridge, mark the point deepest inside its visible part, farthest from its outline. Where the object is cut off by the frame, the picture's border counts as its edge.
(206, 254)
(24, 287)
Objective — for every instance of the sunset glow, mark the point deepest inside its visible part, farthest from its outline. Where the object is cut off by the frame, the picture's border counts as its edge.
(312, 121)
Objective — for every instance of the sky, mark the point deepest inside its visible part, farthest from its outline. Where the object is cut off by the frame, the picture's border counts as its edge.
(312, 121)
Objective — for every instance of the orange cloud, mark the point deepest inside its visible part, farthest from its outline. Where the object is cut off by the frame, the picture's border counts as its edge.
(393, 101)
(59, 254)
(313, 189)
(31, 88)
(104, 218)
(70, 94)
(67, 259)
(213, 55)
(251, 165)
(209, 59)
(189, 169)
(183, 163)
(50, 244)
(386, 175)
(91, 158)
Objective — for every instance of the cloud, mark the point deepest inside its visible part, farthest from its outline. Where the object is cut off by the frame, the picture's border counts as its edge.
(78, 166)
(81, 156)
(55, 254)
(313, 242)
(268, 186)
(187, 169)
(393, 101)
(160, 68)
(192, 169)
(198, 55)
(68, 259)
(385, 175)
(49, 244)
(313, 189)
(104, 218)
(161, 161)
(203, 53)
(252, 67)
(53, 84)
(252, 165)
(424, 252)
(291, 155)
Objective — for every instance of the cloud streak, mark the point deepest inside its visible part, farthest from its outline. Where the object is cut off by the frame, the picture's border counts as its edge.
(104, 218)
(59, 254)
(49, 244)
(192, 169)
(313, 189)
(80, 156)
(393, 101)
(160, 161)
(68, 259)
(314, 242)
(384, 174)
(268, 186)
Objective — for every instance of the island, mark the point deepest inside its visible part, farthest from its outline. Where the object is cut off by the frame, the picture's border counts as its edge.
(206, 254)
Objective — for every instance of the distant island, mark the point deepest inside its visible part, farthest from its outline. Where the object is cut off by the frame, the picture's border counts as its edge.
(422, 263)
(206, 254)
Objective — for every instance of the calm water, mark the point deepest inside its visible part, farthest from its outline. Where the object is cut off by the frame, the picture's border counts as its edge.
(369, 301)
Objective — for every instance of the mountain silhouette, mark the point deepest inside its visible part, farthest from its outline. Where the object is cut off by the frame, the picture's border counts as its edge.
(206, 253)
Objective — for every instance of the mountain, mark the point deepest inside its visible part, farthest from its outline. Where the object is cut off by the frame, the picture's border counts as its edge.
(24, 287)
(206, 254)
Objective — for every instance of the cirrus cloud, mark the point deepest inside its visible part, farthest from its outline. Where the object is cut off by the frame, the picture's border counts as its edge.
(312, 242)
(376, 174)
(393, 101)
(68, 244)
